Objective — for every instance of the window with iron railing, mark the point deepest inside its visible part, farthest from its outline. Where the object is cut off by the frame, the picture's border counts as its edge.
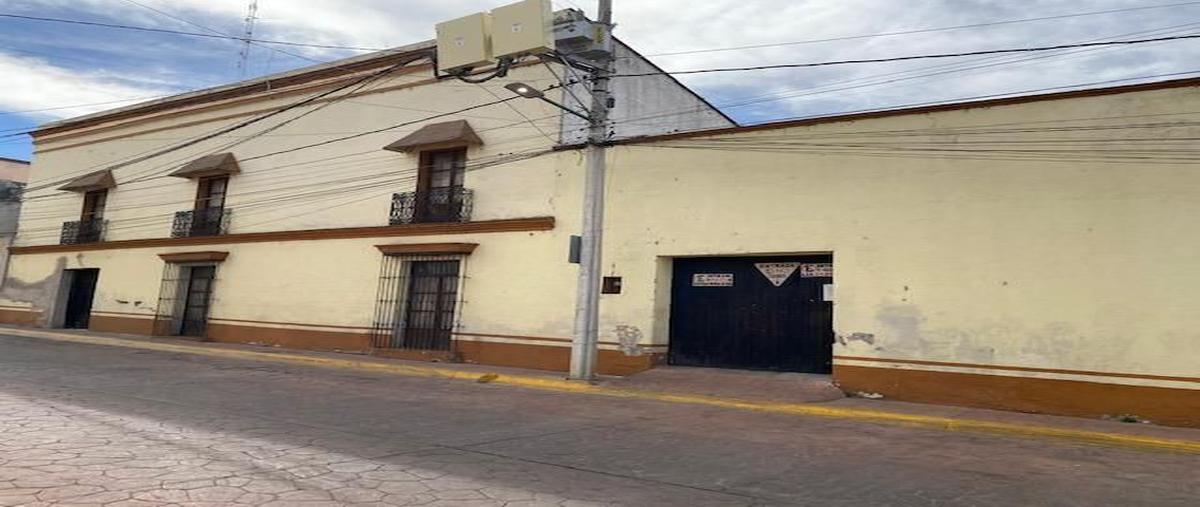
(91, 224)
(440, 196)
(208, 217)
(200, 222)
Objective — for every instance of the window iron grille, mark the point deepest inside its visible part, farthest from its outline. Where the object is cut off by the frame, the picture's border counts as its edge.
(172, 311)
(200, 222)
(447, 204)
(418, 303)
(83, 231)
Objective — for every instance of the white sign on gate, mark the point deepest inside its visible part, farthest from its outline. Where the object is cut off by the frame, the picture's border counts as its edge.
(777, 272)
(821, 270)
(712, 280)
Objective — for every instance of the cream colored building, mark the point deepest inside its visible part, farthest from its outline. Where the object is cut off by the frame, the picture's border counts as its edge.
(1033, 253)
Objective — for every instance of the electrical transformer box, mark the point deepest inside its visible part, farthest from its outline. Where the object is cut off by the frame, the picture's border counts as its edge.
(464, 42)
(523, 28)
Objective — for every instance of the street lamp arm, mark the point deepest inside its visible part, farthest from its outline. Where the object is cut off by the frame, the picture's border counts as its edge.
(586, 117)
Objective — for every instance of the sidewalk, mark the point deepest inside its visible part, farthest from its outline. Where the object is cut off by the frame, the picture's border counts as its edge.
(792, 394)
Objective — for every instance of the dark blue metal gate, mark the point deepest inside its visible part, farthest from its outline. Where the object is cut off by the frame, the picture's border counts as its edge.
(762, 313)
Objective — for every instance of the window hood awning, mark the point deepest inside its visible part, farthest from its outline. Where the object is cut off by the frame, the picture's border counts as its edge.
(206, 256)
(91, 181)
(446, 134)
(208, 165)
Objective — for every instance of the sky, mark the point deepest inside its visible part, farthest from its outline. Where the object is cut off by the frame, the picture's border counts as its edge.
(53, 71)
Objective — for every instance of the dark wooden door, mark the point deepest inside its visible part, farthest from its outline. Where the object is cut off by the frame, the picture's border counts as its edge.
(79, 298)
(726, 312)
(196, 299)
(432, 293)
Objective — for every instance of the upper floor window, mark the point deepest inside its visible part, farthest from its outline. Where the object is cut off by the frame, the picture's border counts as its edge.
(211, 192)
(90, 226)
(94, 202)
(442, 169)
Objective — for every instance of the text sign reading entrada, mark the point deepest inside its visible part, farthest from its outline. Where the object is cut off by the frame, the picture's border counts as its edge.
(712, 280)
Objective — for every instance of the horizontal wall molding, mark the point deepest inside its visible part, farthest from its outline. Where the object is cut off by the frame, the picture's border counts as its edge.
(1027, 369)
(434, 229)
(428, 248)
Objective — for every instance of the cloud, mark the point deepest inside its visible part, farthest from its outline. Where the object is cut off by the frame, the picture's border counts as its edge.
(35, 84)
(675, 25)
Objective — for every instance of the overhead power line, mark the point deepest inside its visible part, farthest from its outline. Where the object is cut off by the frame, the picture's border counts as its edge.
(922, 30)
(916, 57)
(189, 34)
(59, 108)
(947, 68)
(238, 125)
(218, 32)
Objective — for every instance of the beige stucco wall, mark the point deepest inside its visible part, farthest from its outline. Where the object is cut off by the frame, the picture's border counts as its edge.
(981, 257)
(343, 184)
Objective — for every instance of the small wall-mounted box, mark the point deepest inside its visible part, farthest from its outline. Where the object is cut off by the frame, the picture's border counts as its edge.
(523, 28)
(464, 42)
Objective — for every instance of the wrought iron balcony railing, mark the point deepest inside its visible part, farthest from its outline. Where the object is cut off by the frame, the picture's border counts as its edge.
(83, 231)
(450, 204)
(201, 222)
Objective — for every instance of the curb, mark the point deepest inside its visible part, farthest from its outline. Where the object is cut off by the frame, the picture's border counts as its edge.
(548, 384)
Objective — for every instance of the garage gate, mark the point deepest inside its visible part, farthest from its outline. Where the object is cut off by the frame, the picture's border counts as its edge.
(761, 313)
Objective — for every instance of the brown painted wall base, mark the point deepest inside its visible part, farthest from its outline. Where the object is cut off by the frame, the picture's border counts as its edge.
(539, 357)
(1160, 405)
(290, 338)
(542, 357)
(124, 325)
(20, 317)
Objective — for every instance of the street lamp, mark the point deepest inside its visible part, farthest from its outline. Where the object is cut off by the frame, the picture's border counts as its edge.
(530, 92)
(525, 90)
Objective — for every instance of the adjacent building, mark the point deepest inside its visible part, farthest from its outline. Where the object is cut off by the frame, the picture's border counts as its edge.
(14, 174)
(1029, 253)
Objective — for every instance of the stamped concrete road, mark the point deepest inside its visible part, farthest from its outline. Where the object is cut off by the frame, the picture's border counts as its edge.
(90, 425)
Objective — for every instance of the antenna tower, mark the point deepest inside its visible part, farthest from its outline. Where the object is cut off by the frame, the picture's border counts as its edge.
(247, 38)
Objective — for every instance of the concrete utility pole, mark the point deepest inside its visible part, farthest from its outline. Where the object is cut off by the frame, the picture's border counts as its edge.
(584, 343)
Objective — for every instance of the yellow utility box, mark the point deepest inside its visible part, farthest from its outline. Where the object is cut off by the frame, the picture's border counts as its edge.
(464, 42)
(523, 28)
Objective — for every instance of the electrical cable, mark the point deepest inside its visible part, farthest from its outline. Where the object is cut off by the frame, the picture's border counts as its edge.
(952, 68)
(127, 191)
(189, 34)
(319, 194)
(218, 32)
(922, 30)
(238, 125)
(913, 57)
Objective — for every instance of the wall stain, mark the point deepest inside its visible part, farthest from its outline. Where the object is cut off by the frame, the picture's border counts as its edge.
(40, 294)
(628, 338)
(867, 338)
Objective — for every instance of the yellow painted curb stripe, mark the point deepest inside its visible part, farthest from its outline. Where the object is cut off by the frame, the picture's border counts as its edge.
(549, 384)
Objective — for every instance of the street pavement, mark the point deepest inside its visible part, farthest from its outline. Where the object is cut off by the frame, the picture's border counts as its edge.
(104, 426)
